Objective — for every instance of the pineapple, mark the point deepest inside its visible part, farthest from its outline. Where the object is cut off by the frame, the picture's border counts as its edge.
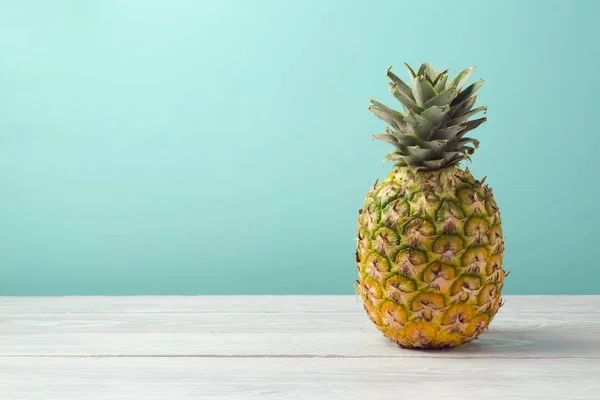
(430, 246)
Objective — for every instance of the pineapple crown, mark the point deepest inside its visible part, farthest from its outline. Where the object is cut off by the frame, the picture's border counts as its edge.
(430, 135)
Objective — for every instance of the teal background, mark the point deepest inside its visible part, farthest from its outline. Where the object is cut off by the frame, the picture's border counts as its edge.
(223, 147)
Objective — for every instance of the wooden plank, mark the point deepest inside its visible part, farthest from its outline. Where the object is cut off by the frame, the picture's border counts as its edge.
(506, 342)
(254, 322)
(183, 323)
(264, 378)
(251, 304)
(177, 304)
(542, 327)
(536, 316)
(539, 347)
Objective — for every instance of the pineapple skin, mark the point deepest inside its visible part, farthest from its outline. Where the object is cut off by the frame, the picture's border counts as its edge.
(429, 257)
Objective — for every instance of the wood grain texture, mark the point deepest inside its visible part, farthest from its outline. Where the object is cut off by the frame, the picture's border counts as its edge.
(546, 327)
(324, 347)
(289, 378)
(177, 304)
(251, 304)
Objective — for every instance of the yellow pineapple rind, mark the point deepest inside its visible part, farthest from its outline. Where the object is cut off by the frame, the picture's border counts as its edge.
(429, 257)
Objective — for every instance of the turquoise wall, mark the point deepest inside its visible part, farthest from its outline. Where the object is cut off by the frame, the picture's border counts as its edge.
(223, 147)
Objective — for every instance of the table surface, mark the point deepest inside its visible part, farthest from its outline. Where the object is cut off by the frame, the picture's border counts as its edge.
(280, 347)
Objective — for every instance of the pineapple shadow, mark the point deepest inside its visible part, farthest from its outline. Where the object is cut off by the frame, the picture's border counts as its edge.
(534, 341)
(519, 342)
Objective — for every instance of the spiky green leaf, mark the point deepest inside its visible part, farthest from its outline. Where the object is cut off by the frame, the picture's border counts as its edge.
(393, 156)
(462, 143)
(423, 154)
(457, 158)
(386, 114)
(470, 125)
(407, 102)
(411, 73)
(435, 114)
(390, 139)
(407, 139)
(435, 164)
(448, 133)
(396, 156)
(427, 71)
(403, 87)
(386, 138)
(464, 117)
(461, 78)
(449, 155)
(464, 107)
(436, 145)
(471, 140)
(467, 92)
(423, 91)
(464, 150)
(440, 82)
(411, 160)
(419, 125)
(443, 98)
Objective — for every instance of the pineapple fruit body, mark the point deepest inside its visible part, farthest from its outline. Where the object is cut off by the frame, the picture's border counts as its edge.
(429, 257)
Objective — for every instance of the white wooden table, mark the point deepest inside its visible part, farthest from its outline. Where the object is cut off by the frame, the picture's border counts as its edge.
(281, 347)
